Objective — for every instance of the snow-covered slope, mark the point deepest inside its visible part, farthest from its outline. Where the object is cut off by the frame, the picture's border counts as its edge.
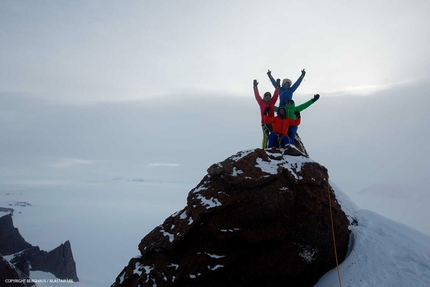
(382, 252)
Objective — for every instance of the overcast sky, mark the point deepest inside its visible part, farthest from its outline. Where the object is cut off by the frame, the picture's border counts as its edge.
(146, 89)
(116, 50)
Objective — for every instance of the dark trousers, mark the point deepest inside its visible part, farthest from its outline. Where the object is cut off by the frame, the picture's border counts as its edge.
(292, 130)
(274, 140)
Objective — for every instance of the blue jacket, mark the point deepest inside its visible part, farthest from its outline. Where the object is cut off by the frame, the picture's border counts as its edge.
(285, 93)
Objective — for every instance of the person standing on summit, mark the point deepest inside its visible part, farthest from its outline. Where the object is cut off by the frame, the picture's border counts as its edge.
(279, 137)
(267, 107)
(291, 113)
(287, 90)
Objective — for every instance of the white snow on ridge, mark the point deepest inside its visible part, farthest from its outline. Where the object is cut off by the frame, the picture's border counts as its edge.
(122, 277)
(169, 235)
(183, 215)
(241, 154)
(137, 270)
(200, 188)
(292, 163)
(215, 256)
(176, 266)
(348, 206)
(209, 203)
(215, 267)
(383, 252)
(194, 276)
(267, 166)
(236, 172)
(308, 253)
(229, 230)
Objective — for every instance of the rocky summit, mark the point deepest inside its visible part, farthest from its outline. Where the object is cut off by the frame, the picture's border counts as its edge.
(259, 218)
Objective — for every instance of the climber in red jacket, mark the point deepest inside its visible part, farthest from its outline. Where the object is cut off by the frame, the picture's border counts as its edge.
(279, 136)
(267, 106)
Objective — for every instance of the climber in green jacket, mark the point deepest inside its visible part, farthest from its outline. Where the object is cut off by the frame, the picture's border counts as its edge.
(292, 108)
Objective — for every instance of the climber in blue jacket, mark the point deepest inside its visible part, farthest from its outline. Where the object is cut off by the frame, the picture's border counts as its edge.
(286, 91)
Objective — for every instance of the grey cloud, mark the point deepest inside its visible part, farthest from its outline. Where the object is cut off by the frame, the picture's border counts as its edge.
(362, 140)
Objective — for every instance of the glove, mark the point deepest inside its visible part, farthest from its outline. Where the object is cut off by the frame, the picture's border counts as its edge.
(303, 73)
(316, 97)
(297, 114)
(255, 84)
(269, 73)
(278, 83)
(266, 111)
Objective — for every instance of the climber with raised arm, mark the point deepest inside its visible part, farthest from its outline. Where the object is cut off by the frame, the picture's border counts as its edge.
(267, 106)
(286, 91)
(291, 113)
(279, 137)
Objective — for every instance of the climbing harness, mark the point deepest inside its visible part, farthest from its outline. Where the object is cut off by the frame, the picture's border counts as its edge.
(267, 129)
(334, 238)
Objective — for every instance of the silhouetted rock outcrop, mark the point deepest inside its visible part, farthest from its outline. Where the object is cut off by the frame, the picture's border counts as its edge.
(11, 240)
(58, 261)
(259, 218)
(12, 276)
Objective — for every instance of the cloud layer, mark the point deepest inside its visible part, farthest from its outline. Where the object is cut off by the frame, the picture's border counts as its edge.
(361, 140)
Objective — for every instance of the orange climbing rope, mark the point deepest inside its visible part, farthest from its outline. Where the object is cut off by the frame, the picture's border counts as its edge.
(334, 238)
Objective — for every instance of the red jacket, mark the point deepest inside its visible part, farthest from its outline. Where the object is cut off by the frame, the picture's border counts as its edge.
(263, 104)
(281, 125)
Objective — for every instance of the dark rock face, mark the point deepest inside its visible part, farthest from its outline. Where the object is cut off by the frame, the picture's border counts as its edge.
(59, 261)
(300, 146)
(11, 240)
(259, 218)
(11, 276)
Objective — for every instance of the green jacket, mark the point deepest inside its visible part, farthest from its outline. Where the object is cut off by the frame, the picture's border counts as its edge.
(292, 108)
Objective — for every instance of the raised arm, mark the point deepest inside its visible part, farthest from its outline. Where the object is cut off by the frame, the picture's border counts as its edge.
(276, 93)
(256, 93)
(308, 103)
(299, 81)
(269, 74)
